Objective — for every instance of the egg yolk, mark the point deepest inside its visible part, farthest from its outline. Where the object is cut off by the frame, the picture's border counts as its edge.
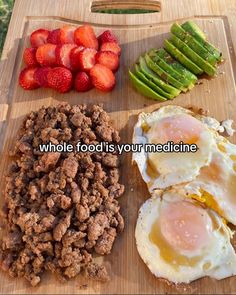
(185, 226)
(176, 128)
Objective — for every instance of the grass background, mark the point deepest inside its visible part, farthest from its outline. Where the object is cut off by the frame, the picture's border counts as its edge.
(6, 10)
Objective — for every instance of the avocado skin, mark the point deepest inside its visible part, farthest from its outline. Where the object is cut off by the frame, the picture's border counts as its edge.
(197, 33)
(204, 65)
(170, 70)
(176, 65)
(183, 35)
(184, 60)
(144, 89)
(163, 74)
(151, 84)
(156, 79)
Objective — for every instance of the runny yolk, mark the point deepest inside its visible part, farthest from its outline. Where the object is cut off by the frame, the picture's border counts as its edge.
(176, 128)
(182, 227)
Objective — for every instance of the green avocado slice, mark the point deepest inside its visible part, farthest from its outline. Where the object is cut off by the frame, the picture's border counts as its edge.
(144, 89)
(179, 32)
(177, 66)
(193, 29)
(149, 83)
(184, 60)
(209, 69)
(170, 70)
(163, 74)
(156, 79)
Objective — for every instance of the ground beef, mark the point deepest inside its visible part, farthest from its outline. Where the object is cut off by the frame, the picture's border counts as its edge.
(61, 208)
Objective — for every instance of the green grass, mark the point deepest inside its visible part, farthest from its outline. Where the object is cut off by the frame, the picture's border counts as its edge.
(126, 11)
(5, 15)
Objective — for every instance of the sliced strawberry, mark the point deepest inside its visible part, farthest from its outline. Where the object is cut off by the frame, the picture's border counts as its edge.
(82, 82)
(86, 37)
(86, 59)
(107, 36)
(46, 55)
(63, 55)
(54, 37)
(67, 35)
(111, 46)
(109, 59)
(74, 58)
(40, 76)
(29, 56)
(60, 79)
(39, 37)
(102, 78)
(26, 78)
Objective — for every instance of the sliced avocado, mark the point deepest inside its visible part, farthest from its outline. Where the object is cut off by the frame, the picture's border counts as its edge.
(184, 60)
(156, 79)
(183, 47)
(183, 35)
(144, 89)
(176, 65)
(149, 83)
(165, 66)
(193, 29)
(163, 74)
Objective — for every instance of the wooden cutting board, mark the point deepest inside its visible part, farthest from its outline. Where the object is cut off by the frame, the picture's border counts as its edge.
(137, 33)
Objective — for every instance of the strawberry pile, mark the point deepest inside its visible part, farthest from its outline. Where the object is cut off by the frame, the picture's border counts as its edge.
(71, 57)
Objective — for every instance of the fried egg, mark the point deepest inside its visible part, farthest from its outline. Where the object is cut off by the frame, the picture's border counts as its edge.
(180, 240)
(176, 124)
(216, 183)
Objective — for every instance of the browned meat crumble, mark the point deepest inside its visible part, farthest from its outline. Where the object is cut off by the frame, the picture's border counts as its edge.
(61, 208)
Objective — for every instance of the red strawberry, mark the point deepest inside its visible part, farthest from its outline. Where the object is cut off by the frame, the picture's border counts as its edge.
(67, 34)
(60, 79)
(26, 78)
(108, 59)
(46, 55)
(63, 55)
(29, 56)
(86, 37)
(54, 37)
(74, 58)
(111, 46)
(83, 82)
(39, 37)
(86, 59)
(107, 36)
(40, 76)
(102, 78)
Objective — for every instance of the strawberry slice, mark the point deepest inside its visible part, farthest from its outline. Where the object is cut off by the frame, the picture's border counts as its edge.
(40, 76)
(46, 55)
(26, 78)
(66, 35)
(86, 59)
(54, 37)
(86, 37)
(107, 36)
(29, 56)
(82, 82)
(111, 46)
(63, 55)
(102, 78)
(109, 59)
(74, 58)
(39, 37)
(60, 79)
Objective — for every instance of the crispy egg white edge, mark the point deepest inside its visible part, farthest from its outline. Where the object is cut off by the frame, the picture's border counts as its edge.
(224, 262)
(140, 158)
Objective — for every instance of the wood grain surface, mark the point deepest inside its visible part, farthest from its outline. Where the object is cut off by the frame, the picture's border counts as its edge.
(137, 33)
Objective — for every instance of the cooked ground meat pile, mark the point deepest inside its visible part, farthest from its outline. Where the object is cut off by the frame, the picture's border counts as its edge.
(61, 208)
